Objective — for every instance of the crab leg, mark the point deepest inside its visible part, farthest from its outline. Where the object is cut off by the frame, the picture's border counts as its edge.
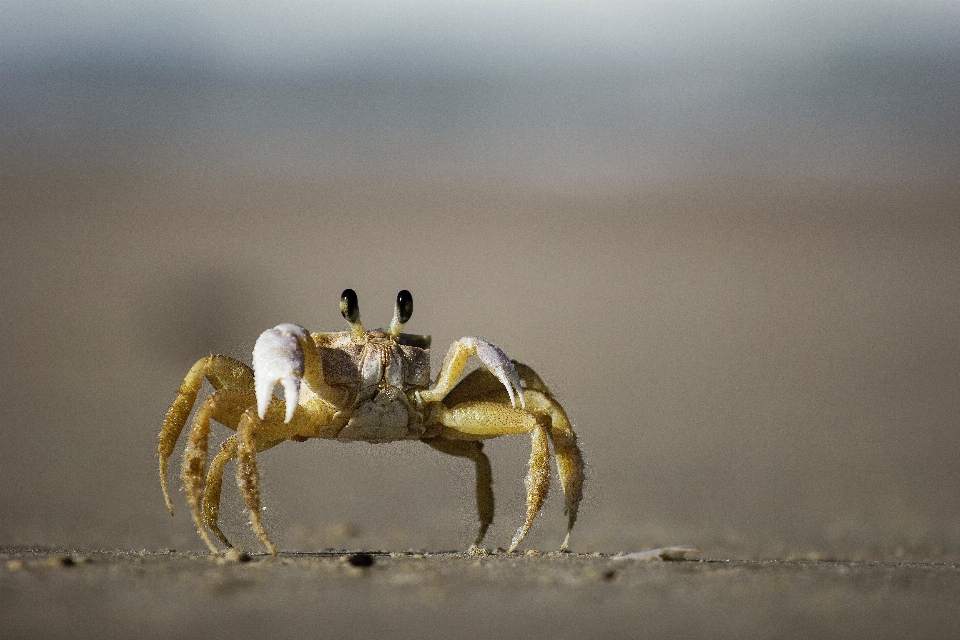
(473, 450)
(249, 442)
(537, 481)
(565, 449)
(226, 407)
(490, 417)
(492, 357)
(255, 435)
(214, 487)
(235, 409)
(478, 419)
(223, 372)
(485, 419)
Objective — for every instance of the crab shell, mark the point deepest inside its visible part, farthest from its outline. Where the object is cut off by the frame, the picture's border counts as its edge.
(381, 375)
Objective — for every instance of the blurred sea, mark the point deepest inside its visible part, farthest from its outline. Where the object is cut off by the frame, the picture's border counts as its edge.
(554, 95)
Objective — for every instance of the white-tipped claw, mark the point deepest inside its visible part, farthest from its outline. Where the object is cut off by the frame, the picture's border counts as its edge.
(517, 537)
(497, 362)
(278, 359)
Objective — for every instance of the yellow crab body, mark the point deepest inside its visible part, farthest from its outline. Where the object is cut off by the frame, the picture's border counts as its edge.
(372, 386)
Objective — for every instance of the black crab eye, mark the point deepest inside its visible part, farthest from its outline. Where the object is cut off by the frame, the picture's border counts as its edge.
(404, 306)
(349, 306)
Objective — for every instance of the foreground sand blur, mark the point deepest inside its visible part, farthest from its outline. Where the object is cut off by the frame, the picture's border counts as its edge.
(428, 595)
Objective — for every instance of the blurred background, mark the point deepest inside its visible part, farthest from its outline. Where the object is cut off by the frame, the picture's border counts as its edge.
(726, 233)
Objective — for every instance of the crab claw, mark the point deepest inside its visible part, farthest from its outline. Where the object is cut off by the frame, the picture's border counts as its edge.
(278, 359)
(499, 364)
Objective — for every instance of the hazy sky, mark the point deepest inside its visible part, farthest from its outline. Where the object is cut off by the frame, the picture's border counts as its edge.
(300, 34)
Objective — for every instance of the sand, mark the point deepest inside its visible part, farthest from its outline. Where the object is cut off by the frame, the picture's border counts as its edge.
(123, 594)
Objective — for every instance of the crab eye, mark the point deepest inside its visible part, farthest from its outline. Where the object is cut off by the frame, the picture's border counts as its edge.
(404, 306)
(349, 306)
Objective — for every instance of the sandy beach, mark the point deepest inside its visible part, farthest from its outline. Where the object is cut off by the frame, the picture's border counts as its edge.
(727, 239)
(442, 595)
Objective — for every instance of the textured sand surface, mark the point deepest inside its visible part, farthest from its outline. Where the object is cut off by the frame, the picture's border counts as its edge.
(445, 595)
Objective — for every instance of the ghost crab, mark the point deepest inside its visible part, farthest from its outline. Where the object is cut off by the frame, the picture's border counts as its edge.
(371, 386)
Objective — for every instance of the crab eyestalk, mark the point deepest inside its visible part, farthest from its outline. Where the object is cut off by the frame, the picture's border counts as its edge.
(350, 308)
(401, 314)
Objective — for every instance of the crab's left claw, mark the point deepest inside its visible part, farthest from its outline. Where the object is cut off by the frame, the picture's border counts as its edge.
(499, 364)
(278, 359)
(494, 360)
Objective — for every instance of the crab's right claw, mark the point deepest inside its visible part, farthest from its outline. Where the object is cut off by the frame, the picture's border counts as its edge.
(278, 359)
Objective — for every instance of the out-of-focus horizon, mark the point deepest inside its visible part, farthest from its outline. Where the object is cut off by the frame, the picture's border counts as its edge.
(725, 233)
(597, 92)
(497, 37)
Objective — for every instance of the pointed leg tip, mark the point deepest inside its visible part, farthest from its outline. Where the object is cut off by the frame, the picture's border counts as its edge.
(517, 539)
(163, 488)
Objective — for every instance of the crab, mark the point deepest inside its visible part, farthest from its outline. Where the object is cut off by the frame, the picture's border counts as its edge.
(372, 386)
